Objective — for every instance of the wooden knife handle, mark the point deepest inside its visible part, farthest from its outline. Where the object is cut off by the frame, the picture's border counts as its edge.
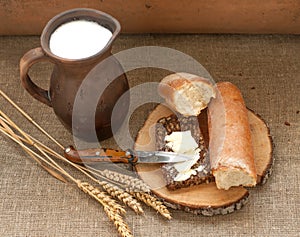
(96, 155)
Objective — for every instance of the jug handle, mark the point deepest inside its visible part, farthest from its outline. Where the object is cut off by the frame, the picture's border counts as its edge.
(27, 61)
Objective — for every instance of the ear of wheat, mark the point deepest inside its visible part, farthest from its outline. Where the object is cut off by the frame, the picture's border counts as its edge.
(153, 202)
(101, 197)
(123, 196)
(129, 182)
(128, 189)
(111, 208)
(119, 222)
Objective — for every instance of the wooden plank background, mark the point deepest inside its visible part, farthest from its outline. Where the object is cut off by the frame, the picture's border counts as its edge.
(28, 17)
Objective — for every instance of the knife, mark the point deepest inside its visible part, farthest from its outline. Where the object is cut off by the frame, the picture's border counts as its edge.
(96, 155)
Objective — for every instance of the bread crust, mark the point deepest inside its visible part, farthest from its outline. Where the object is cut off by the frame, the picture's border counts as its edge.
(230, 145)
(171, 84)
(172, 123)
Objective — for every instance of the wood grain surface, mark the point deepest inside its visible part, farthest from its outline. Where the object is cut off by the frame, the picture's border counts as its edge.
(204, 195)
(20, 17)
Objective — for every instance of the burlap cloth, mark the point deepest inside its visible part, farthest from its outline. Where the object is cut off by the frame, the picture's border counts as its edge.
(265, 68)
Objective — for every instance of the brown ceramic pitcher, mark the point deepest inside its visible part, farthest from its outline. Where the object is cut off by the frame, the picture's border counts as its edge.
(68, 75)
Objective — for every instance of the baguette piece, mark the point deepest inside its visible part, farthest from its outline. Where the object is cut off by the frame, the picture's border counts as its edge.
(186, 93)
(230, 146)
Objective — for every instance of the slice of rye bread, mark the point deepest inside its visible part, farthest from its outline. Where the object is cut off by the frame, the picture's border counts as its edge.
(167, 125)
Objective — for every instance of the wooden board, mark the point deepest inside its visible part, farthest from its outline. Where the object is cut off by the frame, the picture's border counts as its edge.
(204, 198)
(168, 16)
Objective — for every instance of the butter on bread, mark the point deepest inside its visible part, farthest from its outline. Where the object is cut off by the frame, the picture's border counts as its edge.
(230, 145)
(182, 142)
(194, 172)
(186, 93)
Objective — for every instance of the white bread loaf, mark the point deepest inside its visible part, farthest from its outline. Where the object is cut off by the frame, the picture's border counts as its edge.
(186, 93)
(230, 146)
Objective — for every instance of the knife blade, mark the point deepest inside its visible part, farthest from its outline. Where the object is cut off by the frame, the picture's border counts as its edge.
(96, 155)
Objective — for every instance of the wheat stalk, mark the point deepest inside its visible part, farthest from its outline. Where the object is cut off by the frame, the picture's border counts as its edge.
(113, 190)
(100, 196)
(111, 208)
(119, 222)
(29, 118)
(153, 202)
(131, 183)
(7, 129)
(26, 137)
(38, 158)
(134, 187)
(123, 196)
(41, 147)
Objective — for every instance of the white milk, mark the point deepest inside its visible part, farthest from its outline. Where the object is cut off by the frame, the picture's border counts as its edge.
(79, 39)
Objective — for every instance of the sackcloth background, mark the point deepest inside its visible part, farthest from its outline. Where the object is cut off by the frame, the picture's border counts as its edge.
(266, 68)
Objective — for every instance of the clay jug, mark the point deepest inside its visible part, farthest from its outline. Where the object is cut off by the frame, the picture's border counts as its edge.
(77, 82)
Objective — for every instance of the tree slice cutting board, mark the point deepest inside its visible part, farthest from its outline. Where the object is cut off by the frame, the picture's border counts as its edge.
(203, 199)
